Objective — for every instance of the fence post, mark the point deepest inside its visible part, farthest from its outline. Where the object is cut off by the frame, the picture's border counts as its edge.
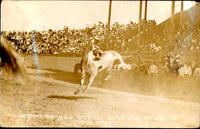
(181, 15)
(172, 23)
(145, 11)
(139, 24)
(145, 19)
(109, 19)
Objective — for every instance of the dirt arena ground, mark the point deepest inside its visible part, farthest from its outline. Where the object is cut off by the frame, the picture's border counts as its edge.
(134, 100)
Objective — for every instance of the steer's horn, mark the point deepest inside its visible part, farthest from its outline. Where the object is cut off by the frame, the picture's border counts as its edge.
(125, 57)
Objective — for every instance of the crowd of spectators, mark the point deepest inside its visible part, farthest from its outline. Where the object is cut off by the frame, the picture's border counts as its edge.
(73, 42)
(184, 38)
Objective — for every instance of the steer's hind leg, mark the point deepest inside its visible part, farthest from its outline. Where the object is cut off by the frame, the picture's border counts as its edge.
(108, 74)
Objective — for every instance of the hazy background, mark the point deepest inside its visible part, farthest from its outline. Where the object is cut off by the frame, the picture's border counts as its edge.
(42, 15)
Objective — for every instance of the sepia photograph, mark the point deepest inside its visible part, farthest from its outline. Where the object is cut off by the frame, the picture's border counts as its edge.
(100, 63)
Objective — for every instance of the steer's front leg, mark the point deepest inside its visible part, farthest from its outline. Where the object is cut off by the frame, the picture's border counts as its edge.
(91, 79)
(83, 77)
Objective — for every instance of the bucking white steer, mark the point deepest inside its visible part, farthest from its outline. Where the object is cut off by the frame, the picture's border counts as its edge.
(196, 73)
(185, 70)
(91, 67)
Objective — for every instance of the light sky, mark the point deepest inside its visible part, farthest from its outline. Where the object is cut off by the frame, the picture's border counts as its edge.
(44, 15)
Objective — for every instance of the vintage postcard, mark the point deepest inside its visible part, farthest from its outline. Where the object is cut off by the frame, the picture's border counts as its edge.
(106, 63)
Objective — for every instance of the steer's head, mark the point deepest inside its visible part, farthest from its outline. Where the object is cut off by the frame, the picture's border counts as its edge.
(124, 66)
(128, 66)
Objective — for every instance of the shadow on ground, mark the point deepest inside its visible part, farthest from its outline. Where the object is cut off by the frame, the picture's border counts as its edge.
(75, 98)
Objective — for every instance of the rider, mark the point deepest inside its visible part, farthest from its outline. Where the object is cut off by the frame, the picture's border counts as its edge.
(97, 52)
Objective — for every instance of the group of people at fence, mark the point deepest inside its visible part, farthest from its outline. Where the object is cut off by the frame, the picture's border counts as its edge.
(174, 65)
